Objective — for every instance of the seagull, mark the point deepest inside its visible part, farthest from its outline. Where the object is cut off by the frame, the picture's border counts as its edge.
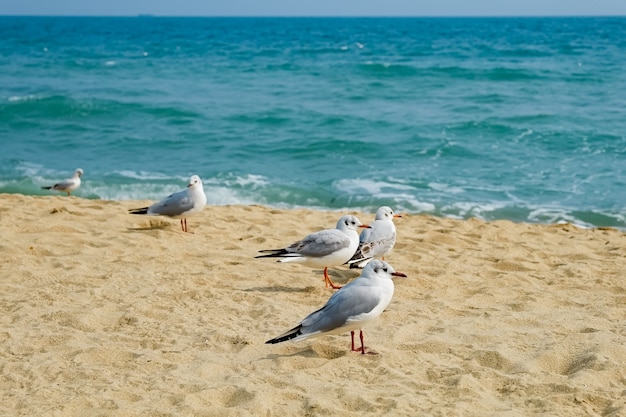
(179, 205)
(69, 184)
(350, 308)
(326, 248)
(378, 240)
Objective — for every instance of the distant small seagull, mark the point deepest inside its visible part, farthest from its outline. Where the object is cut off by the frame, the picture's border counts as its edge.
(378, 240)
(69, 184)
(179, 205)
(326, 248)
(352, 307)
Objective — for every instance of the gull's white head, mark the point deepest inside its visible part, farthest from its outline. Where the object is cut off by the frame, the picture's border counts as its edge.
(78, 173)
(380, 269)
(385, 213)
(350, 222)
(194, 181)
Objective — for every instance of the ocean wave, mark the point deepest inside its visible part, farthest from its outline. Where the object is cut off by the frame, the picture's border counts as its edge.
(371, 194)
(321, 50)
(44, 107)
(388, 69)
(485, 74)
(275, 117)
(356, 194)
(29, 97)
(143, 175)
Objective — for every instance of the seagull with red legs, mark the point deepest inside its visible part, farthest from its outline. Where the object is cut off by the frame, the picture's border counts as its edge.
(68, 185)
(323, 249)
(179, 205)
(352, 307)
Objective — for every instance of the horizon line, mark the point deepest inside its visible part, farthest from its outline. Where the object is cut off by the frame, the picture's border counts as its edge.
(151, 15)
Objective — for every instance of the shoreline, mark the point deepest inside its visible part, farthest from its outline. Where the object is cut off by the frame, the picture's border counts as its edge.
(113, 314)
(564, 219)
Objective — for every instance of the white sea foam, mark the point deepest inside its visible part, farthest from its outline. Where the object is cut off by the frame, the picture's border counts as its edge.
(404, 196)
(523, 134)
(250, 180)
(555, 215)
(22, 98)
(143, 175)
(410, 203)
(155, 186)
(30, 169)
(367, 186)
(221, 196)
(137, 191)
(445, 188)
(466, 209)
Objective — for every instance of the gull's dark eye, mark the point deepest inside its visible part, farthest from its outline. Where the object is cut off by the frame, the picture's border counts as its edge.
(385, 269)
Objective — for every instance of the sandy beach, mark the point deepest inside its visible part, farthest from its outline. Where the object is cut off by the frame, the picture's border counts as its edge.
(109, 314)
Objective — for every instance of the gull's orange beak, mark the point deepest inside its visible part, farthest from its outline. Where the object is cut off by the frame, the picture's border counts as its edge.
(365, 226)
(398, 274)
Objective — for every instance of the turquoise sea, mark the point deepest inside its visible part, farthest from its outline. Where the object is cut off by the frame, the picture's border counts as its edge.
(496, 118)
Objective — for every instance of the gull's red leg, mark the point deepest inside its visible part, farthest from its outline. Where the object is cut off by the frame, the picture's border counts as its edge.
(362, 344)
(328, 280)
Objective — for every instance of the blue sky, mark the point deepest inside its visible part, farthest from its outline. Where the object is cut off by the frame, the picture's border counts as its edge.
(316, 7)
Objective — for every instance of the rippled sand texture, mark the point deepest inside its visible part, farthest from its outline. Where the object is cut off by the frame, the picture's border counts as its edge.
(108, 314)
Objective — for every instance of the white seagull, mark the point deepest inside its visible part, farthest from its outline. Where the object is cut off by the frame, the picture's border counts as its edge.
(378, 240)
(69, 184)
(179, 205)
(326, 248)
(352, 307)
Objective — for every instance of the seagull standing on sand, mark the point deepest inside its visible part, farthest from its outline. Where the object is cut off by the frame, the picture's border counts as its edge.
(179, 205)
(378, 240)
(352, 307)
(326, 248)
(69, 184)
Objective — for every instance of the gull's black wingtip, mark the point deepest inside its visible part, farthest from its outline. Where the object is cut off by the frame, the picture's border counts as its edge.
(291, 334)
(272, 253)
(360, 263)
(143, 210)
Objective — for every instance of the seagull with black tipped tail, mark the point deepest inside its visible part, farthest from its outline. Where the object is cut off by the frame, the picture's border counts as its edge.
(352, 307)
(179, 205)
(68, 185)
(323, 249)
(378, 240)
